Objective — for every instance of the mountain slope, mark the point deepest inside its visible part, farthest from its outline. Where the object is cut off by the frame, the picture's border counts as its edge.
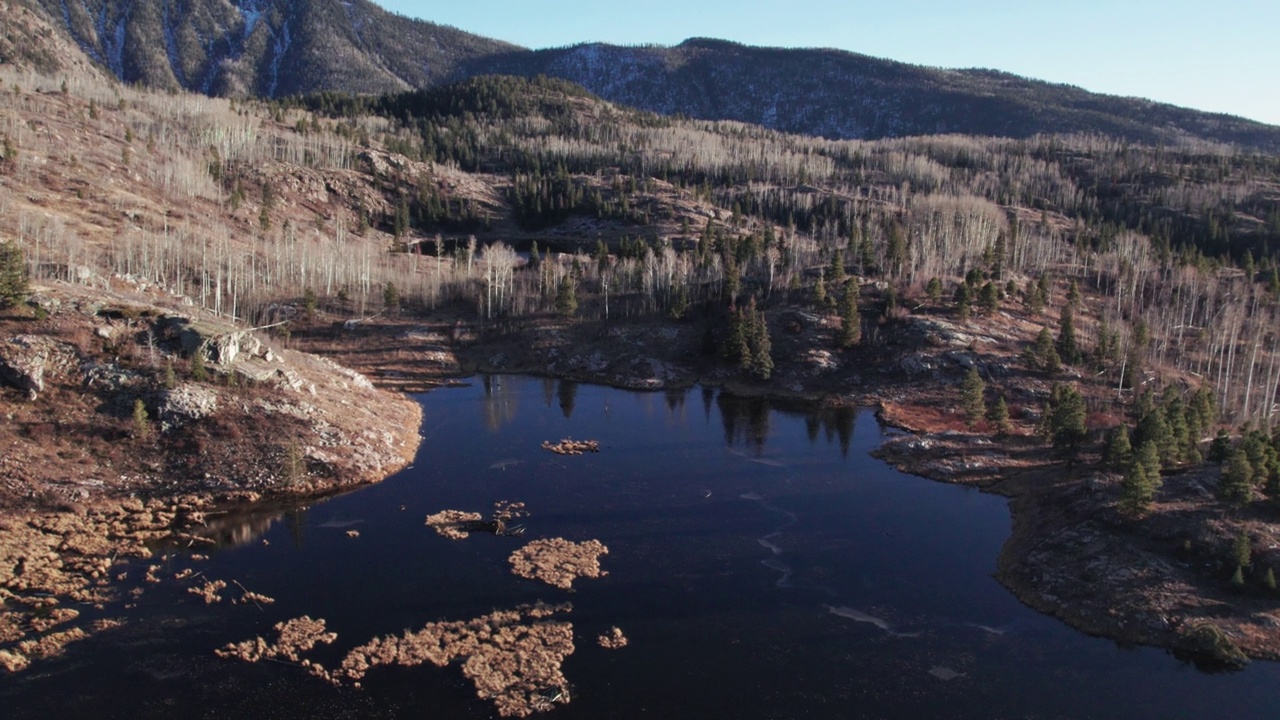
(838, 94)
(282, 47)
(264, 47)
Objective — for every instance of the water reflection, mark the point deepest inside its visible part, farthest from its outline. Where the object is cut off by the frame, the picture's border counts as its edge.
(240, 528)
(568, 395)
(501, 401)
(746, 420)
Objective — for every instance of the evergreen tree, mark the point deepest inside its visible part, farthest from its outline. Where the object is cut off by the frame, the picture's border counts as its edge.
(1236, 484)
(1067, 421)
(1269, 580)
(1119, 451)
(1035, 305)
(1073, 296)
(964, 302)
(1149, 455)
(171, 378)
(998, 415)
(1220, 448)
(567, 296)
(837, 273)
(141, 421)
(1139, 484)
(759, 343)
(989, 298)
(199, 372)
(820, 292)
(13, 275)
(1043, 356)
(1067, 348)
(934, 290)
(972, 389)
(850, 319)
(390, 297)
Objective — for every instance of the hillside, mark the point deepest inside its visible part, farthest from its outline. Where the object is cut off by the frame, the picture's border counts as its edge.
(275, 48)
(514, 225)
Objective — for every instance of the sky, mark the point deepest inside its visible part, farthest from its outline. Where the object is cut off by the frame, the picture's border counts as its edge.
(1216, 55)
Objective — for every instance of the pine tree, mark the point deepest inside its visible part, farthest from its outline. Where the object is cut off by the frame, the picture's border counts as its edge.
(989, 298)
(1067, 348)
(13, 275)
(1236, 484)
(170, 378)
(837, 272)
(758, 340)
(1067, 421)
(820, 292)
(199, 372)
(1043, 356)
(972, 389)
(964, 302)
(141, 421)
(390, 297)
(850, 319)
(934, 290)
(1119, 452)
(1137, 490)
(567, 297)
(998, 415)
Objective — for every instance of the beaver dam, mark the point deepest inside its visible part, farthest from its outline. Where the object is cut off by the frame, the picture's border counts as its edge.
(723, 558)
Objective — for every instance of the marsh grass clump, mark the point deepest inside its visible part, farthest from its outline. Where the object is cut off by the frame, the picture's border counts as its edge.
(294, 637)
(458, 524)
(454, 524)
(569, 446)
(613, 640)
(514, 657)
(558, 562)
(209, 590)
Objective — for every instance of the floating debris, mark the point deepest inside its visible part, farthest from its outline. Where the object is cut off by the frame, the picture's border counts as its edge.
(558, 562)
(294, 637)
(569, 446)
(353, 533)
(613, 640)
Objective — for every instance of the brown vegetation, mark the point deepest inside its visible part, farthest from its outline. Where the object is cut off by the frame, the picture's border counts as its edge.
(514, 657)
(558, 562)
(613, 640)
(569, 446)
(293, 638)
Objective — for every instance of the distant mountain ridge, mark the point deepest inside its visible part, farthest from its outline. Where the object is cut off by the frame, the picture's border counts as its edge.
(274, 48)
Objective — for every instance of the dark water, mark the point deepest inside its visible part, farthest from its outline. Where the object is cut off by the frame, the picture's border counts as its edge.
(762, 565)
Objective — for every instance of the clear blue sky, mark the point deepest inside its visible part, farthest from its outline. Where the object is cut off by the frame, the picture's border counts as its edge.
(1219, 55)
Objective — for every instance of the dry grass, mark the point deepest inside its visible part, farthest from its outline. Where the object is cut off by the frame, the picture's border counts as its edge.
(613, 640)
(513, 657)
(569, 446)
(558, 562)
(294, 637)
(454, 524)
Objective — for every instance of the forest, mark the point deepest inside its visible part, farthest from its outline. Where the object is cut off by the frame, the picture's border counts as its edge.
(520, 198)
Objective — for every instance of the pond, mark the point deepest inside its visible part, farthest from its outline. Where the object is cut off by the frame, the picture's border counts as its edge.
(761, 564)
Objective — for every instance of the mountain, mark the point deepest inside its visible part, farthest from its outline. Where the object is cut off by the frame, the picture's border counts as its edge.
(266, 48)
(275, 48)
(838, 94)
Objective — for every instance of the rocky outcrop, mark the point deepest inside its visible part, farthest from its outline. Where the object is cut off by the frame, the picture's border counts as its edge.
(186, 403)
(25, 360)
